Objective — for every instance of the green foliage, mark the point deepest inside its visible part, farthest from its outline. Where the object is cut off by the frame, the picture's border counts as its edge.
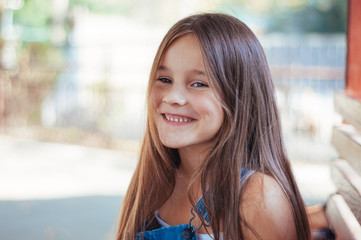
(325, 16)
(37, 13)
(34, 13)
(105, 6)
(320, 16)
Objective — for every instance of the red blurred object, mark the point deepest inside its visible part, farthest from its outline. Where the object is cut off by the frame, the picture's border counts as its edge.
(353, 70)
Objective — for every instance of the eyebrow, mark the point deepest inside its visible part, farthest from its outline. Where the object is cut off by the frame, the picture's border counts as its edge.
(194, 71)
(162, 67)
(198, 72)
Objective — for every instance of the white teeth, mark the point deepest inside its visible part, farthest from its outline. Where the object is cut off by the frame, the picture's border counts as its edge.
(177, 119)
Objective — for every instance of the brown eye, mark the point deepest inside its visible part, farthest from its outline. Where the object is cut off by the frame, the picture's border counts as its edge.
(164, 80)
(199, 84)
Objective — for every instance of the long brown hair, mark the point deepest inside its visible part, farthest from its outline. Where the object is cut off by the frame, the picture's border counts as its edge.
(250, 136)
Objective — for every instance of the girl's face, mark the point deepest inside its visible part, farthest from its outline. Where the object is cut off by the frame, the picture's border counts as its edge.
(186, 109)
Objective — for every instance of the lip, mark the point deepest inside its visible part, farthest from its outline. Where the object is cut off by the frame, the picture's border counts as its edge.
(177, 119)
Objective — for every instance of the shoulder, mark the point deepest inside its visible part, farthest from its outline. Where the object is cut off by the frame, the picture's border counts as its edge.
(266, 209)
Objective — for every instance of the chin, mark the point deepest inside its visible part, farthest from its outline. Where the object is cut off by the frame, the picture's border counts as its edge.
(172, 144)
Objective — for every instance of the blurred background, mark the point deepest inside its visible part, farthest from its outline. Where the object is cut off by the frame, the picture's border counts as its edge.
(73, 76)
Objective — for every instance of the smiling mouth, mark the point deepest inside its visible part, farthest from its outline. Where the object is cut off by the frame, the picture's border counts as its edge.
(177, 119)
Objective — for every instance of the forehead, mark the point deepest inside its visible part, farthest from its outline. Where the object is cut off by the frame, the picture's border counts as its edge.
(184, 52)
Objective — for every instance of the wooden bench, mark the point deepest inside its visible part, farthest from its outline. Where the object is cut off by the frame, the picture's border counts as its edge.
(343, 209)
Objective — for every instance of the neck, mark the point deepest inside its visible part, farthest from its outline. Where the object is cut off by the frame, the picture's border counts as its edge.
(192, 158)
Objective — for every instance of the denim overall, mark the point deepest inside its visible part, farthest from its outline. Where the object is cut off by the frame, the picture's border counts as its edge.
(184, 231)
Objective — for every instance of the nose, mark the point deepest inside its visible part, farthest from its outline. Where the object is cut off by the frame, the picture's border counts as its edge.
(175, 95)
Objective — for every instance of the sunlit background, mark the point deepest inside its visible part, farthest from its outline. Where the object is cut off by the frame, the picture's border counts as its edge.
(73, 75)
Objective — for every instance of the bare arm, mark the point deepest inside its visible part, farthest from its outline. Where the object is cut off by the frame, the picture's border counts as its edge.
(316, 217)
(266, 210)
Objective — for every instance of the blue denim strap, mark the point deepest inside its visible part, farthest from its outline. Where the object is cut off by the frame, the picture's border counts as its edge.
(178, 232)
(200, 207)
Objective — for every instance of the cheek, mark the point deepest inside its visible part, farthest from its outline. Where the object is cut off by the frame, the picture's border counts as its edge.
(218, 116)
(213, 111)
(156, 98)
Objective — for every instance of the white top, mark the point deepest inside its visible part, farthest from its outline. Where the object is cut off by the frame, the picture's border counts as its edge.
(200, 236)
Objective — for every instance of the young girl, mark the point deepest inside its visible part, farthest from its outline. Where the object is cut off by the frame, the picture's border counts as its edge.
(212, 163)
